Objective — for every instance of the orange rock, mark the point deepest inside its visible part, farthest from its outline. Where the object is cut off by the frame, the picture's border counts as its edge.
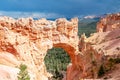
(28, 41)
(109, 23)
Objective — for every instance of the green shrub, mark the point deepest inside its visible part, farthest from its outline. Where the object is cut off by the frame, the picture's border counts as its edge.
(115, 61)
(23, 74)
(111, 63)
(101, 71)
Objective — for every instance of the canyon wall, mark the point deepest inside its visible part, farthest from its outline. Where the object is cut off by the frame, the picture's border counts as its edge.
(26, 41)
(109, 23)
(103, 46)
(97, 50)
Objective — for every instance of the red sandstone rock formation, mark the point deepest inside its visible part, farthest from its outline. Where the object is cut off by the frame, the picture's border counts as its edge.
(97, 49)
(102, 45)
(109, 23)
(26, 41)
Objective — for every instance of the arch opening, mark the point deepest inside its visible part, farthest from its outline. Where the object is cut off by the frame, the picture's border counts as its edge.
(56, 61)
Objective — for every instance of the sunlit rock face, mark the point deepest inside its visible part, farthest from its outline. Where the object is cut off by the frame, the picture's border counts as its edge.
(100, 46)
(109, 23)
(26, 41)
(108, 36)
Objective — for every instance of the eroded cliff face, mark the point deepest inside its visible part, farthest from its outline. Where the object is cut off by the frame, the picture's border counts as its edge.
(109, 23)
(26, 41)
(101, 46)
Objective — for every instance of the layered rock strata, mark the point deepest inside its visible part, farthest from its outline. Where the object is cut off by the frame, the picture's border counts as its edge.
(109, 23)
(26, 41)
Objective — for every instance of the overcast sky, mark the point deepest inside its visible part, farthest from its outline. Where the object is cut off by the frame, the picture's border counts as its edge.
(57, 8)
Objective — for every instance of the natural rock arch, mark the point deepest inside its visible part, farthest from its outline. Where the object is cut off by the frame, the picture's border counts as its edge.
(69, 49)
(32, 38)
(26, 41)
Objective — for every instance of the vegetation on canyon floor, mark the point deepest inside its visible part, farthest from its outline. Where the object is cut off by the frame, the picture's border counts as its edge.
(87, 27)
(56, 62)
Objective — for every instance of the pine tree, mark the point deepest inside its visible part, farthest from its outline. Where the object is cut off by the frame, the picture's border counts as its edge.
(23, 74)
(101, 71)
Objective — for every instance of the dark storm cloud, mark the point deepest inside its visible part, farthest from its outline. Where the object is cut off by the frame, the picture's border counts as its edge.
(63, 7)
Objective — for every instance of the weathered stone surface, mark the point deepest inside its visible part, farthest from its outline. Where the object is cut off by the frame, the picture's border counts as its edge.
(96, 50)
(109, 23)
(103, 45)
(26, 41)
